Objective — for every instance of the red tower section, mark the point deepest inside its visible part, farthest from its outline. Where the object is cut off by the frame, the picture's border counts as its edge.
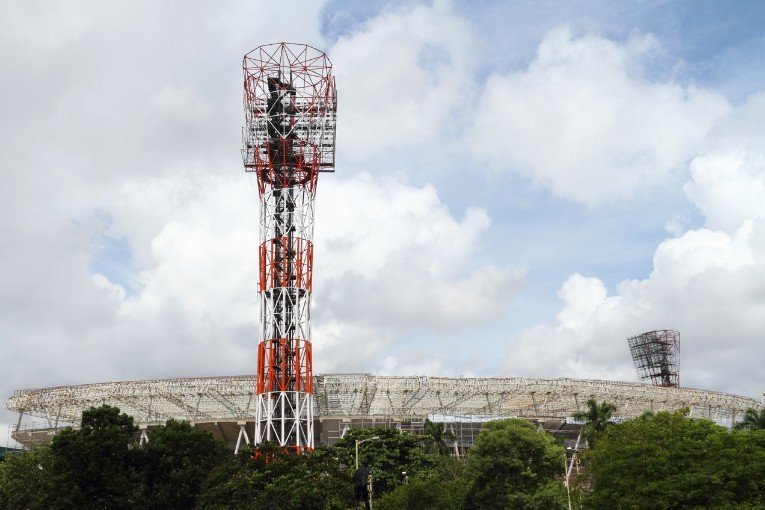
(290, 104)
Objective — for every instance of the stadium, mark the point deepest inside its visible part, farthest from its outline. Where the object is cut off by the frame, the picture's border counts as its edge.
(290, 105)
(225, 405)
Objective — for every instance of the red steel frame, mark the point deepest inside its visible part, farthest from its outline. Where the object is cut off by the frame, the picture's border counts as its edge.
(290, 104)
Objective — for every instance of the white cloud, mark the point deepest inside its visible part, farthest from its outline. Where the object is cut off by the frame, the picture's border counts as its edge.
(676, 225)
(582, 297)
(581, 120)
(582, 341)
(342, 347)
(41, 28)
(402, 79)
(137, 139)
(390, 259)
(433, 365)
(706, 284)
(112, 116)
(728, 180)
(183, 104)
(396, 258)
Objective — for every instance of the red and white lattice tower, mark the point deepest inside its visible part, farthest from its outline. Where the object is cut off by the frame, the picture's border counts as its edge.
(290, 103)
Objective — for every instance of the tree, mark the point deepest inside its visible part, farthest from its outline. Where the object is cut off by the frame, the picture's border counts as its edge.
(444, 487)
(234, 484)
(275, 480)
(100, 465)
(312, 480)
(436, 437)
(389, 456)
(25, 480)
(669, 461)
(96, 466)
(176, 461)
(597, 418)
(753, 420)
(513, 465)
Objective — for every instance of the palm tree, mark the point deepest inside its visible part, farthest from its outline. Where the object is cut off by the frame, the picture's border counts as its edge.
(597, 418)
(753, 420)
(436, 437)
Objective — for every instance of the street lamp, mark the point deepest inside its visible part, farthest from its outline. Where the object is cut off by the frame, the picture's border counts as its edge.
(567, 471)
(358, 442)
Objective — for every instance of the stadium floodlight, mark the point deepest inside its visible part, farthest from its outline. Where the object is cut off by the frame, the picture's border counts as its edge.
(290, 102)
(656, 355)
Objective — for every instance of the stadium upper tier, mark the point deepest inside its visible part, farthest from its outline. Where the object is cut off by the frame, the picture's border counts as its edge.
(363, 396)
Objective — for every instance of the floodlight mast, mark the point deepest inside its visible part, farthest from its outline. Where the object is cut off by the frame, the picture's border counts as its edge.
(290, 103)
(656, 355)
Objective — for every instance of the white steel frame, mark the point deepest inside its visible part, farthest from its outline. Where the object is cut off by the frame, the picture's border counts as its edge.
(218, 399)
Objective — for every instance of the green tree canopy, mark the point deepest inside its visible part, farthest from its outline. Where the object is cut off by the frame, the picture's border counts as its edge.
(25, 480)
(275, 480)
(514, 465)
(234, 484)
(669, 461)
(394, 453)
(597, 418)
(753, 420)
(176, 461)
(95, 466)
(100, 466)
(443, 487)
(437, 438)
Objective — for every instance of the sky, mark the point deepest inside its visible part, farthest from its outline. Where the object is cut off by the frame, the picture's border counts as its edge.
(519, 187)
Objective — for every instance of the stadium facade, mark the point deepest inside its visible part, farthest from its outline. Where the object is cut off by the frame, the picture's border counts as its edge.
(226, 405)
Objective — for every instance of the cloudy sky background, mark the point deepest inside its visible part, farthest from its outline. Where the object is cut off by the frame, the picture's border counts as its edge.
(520, 187)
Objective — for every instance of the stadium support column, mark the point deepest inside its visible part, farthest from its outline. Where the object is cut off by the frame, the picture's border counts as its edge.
(289, 138)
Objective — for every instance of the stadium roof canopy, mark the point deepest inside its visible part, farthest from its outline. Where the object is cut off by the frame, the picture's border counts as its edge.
(232, 398)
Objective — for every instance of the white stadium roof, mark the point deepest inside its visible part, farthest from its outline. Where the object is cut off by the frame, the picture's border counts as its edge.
(232, 398)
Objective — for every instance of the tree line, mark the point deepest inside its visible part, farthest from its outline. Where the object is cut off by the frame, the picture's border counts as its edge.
(656, 461)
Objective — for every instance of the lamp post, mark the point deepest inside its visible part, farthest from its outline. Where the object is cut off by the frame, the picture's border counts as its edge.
(566, 472)
(358, 442)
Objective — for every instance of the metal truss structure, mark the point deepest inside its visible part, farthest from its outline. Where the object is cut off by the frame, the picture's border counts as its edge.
(290, 104)
(228, 401)
(657, 357)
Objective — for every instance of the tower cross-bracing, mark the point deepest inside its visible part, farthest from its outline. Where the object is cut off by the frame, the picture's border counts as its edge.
(290, 103)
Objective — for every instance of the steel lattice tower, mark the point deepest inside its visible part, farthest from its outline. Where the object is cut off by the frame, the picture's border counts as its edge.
(656, 355)
(290, 103)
